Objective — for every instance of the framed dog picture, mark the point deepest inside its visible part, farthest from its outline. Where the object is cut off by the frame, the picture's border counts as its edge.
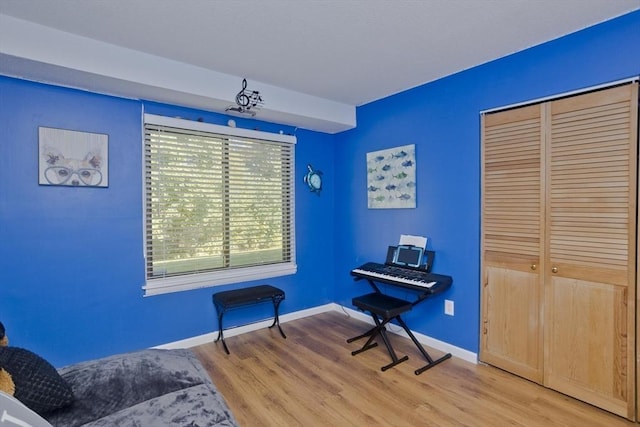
(72, 158)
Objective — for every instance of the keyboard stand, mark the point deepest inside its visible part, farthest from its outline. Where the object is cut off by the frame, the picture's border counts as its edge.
(383, 309)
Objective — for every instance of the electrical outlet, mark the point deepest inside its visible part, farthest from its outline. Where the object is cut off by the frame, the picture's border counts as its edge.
(448, 307)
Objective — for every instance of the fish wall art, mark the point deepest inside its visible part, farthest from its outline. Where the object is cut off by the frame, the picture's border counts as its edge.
(391, 178)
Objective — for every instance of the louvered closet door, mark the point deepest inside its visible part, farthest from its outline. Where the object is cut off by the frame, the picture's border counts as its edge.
(591, 248)
(511, 336)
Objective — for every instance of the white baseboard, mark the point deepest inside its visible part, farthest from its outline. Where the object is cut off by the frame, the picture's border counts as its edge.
(232, 332)
(423, 339)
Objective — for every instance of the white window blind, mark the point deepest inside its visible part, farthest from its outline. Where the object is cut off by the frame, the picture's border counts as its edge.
(219, 205)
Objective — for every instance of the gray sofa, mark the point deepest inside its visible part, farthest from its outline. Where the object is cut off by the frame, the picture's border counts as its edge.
(153, 388)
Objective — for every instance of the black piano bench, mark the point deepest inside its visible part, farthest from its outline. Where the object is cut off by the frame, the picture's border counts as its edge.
(226, 300)
(385, 308)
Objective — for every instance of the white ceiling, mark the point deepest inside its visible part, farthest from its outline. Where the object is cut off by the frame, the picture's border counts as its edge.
(348, 52)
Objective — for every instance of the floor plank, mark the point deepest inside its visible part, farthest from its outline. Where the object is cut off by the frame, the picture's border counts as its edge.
(311, 379)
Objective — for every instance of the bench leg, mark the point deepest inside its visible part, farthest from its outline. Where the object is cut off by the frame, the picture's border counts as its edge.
(220, 333)
(276, 317)
(367, 345)
(371, 333)
(366, 334)
(387, 343)
(381, 330)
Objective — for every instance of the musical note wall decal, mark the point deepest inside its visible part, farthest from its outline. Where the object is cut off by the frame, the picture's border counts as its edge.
(248, 102)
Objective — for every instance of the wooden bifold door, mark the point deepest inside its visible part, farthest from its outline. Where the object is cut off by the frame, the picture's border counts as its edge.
(559, 248)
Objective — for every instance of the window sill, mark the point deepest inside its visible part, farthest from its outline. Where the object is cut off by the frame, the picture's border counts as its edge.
(205, 280)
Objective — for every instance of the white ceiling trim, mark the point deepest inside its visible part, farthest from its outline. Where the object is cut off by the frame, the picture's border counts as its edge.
(35, 52)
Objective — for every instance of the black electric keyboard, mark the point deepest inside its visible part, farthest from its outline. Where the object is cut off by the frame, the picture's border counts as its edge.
(402, 276)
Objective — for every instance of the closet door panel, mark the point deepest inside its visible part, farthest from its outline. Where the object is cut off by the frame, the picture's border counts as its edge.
(511, 336)
(511, 328)
(587, 356)
(590, 249)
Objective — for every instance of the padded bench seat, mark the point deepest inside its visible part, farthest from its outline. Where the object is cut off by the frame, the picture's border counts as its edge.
(226, 300)
(383, 305)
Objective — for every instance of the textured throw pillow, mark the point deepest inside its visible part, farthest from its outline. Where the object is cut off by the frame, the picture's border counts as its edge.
(37, 383)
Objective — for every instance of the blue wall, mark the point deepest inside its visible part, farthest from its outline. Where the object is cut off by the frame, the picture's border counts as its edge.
(442, 119)
(71, 261)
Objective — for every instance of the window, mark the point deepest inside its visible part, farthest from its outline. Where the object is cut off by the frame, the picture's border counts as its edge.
(219, 205)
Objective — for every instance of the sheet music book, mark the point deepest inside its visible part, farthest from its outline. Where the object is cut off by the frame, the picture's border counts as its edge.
(419, 241)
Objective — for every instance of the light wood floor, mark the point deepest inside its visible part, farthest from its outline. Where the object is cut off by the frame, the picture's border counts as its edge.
(311, 379)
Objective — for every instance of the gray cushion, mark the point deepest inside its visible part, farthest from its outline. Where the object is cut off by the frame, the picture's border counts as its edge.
(189, 407)
(107, 388)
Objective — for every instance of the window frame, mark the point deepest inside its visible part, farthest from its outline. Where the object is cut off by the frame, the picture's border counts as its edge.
(228, 275)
